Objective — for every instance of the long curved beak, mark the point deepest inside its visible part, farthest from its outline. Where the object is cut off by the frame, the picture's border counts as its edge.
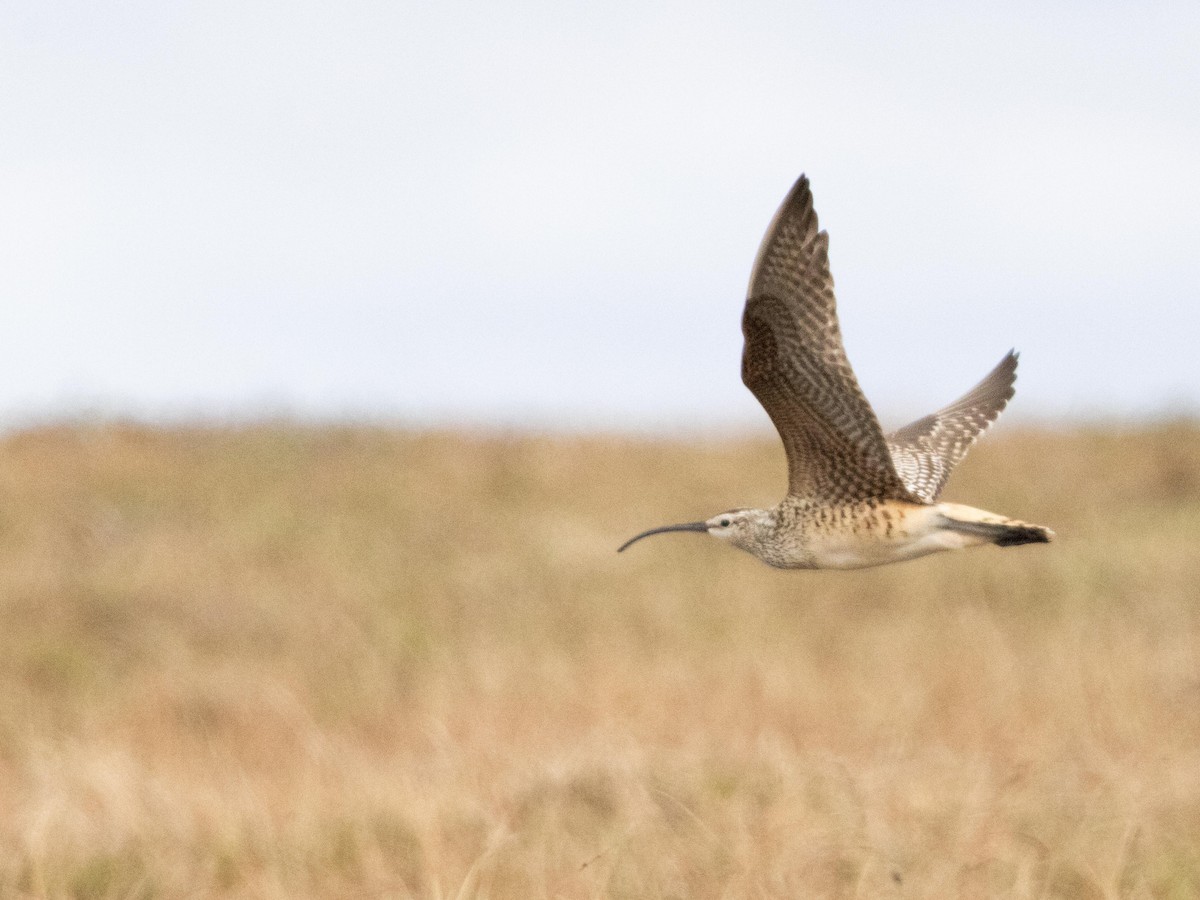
(687, 526)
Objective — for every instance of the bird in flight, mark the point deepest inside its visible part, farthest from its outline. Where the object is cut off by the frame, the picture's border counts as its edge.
(856, 497)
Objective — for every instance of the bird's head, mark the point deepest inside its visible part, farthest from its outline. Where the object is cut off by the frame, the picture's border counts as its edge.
(739, 527)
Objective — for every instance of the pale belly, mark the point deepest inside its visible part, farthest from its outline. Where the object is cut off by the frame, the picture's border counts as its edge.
(864, 552)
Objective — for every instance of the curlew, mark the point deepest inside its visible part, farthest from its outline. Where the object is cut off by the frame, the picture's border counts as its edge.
(856, 497)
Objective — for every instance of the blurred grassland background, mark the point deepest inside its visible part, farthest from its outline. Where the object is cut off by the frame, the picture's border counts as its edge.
(288, 661)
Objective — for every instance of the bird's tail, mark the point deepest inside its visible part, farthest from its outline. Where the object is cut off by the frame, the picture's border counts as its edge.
(989, 528)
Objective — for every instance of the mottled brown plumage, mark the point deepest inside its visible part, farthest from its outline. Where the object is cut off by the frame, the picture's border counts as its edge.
(795, 364)
(855, 497)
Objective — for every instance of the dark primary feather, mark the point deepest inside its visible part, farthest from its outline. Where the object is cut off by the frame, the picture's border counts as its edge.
(796, 366)
(926, 451)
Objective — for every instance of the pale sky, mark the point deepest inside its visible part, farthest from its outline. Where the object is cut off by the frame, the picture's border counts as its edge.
(545, 213)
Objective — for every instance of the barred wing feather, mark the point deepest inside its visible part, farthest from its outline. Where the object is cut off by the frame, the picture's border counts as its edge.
(925, 452)
(796, 366)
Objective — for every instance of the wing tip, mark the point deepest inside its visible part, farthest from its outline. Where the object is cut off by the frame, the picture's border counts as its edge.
(801, 193)
(800, 196)
(1008, 368)
(797, 208)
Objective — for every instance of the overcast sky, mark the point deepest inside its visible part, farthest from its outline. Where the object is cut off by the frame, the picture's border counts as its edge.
(545, 213)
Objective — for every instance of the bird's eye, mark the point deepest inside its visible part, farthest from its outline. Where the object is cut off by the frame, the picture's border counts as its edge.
(724, 523)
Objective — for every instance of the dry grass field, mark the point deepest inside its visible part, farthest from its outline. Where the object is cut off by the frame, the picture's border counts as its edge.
(283, 662)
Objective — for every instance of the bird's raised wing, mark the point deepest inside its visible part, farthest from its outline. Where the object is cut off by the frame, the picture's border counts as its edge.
(927, 450)
(794, 363)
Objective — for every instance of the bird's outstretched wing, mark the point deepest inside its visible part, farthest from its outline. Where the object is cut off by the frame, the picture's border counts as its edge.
(796, 366)
(927, 450)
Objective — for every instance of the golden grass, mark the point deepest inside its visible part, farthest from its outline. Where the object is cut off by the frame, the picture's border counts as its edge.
(281, 662)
